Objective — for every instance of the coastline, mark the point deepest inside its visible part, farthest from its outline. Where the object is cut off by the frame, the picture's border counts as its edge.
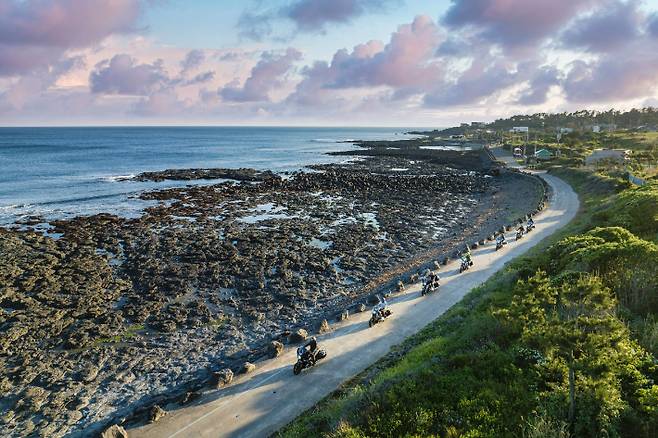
(297, 224)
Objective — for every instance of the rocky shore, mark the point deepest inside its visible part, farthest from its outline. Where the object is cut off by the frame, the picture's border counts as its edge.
(118, 315)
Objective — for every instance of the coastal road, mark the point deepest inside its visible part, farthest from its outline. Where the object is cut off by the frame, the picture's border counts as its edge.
(260, 403)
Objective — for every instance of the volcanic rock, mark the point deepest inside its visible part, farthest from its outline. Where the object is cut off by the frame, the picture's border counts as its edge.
(324, 327)
(298, 336)
(275, 349)
(114, 431)
(156, 413)
(221, 378)
(247, 368)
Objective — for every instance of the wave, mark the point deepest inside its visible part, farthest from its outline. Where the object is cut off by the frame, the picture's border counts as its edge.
(14, 207)
(331, 140)
(116, 178)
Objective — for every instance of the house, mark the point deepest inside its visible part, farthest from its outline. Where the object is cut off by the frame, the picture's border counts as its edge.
(604, 127)
(543, 155)
(598, 155)
(518, 129)
(566, 130)
(478, 124)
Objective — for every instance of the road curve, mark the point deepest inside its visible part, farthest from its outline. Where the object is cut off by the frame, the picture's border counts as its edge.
(260, 403)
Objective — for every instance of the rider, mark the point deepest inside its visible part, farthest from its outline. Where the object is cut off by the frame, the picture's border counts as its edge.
(310, 348)
(500, 239)
(467, 255)
(381, 307)
(531, 223)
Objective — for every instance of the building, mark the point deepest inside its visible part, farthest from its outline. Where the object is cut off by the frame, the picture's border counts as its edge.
(565, 130)
(604, 127)
(543, 155)
(518, 129)
(598, 155)
(478, 124)
(518, 152)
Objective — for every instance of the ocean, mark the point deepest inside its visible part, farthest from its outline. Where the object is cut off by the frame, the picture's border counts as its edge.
(57, 173)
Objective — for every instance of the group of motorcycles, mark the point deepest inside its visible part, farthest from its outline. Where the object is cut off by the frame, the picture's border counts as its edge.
(309, 353)
(521, 231)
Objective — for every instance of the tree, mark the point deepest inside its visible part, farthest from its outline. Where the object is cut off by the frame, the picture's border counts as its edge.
(574, 323)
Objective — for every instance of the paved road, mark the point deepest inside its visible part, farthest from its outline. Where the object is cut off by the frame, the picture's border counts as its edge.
(262, 402)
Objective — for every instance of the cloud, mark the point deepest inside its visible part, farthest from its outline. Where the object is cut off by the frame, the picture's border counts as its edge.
(626, 74)
(267, 75)
(513, 23)
(482, 79)
(123, 75)
(308, 16)
(256, 25)
(606, 29)
(314, 15)
(652, 25)
(160, 102)
(193, 59)
(405, 64)
(33, 85)
(36, 33)
(537, 92)
(201, 78)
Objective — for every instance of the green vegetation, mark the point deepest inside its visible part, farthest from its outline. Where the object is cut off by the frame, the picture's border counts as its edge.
(583, 119)
(562, 342)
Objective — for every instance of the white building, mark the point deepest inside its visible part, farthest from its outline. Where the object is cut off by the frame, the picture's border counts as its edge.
(604, 127)
(517, 129)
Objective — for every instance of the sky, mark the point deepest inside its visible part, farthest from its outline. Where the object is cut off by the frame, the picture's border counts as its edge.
(321, 62)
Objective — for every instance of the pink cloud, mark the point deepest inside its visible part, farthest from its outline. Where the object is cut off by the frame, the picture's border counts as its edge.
(44, 29)
(406, 62)
(482, 79)
(267, 75)
(123, 75)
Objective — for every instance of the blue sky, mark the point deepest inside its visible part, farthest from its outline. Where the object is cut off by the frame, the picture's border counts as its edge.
(214, 24)
(319, 62)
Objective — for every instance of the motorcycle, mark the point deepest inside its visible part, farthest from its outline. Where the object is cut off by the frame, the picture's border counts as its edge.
(380, 312)
(430, 287)
(306, 360)
(466, 263)
(500, 243)
(519, 233)
(530, 226)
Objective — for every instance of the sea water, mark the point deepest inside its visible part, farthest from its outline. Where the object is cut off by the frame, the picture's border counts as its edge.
(58, 173)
